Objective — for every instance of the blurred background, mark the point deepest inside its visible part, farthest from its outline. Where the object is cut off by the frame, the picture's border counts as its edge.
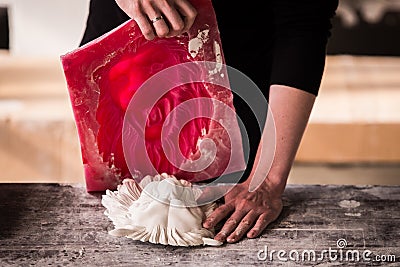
(354, 132)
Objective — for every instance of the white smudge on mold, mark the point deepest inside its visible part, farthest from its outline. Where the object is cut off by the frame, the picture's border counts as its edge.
(196, 43)
(218, 59)
(349, 204)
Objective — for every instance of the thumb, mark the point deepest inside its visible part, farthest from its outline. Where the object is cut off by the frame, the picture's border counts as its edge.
(212, 193)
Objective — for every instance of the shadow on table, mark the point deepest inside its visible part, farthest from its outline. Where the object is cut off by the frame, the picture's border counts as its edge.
(15, 203)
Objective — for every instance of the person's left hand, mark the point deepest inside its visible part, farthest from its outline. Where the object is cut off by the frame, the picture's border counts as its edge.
(250, 212)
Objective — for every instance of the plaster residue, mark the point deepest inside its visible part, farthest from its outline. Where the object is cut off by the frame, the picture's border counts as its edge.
(159, 210)
(349, 204)
(218, 59)
(357, 214)
(196, 43)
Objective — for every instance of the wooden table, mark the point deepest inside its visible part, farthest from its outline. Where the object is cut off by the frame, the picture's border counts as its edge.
(59, 225)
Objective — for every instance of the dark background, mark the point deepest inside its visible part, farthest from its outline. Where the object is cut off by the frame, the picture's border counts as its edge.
(4, 34)
(364, 38)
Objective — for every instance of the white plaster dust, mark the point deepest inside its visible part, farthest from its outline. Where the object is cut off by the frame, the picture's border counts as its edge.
(357, 214)
(196, 43)
(349, 204)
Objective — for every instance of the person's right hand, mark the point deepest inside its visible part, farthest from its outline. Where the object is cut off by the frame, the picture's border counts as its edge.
(177, 16)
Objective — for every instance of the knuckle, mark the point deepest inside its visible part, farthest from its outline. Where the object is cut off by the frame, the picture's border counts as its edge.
(263, 221)
(162, 3)
(223, 233)
(220, 209)
(162, 32)
(147, 32)
(135, 12)
(192, 13)
(243, 205)
(172, 33)
(232, 221)
(245, 223)
(227, 228)
(145, 5)
(137, 6)
(224, 208)
(149, 37)
(179, 26)
(133, 5)
(210, 219)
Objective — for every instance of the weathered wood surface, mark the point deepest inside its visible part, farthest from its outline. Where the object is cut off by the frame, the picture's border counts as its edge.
(53, 225)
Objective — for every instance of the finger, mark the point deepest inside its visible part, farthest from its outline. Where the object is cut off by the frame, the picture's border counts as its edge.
(160, 25)
(144, 25)
(217, 215)
(211, 193)
(230, 225)
(175, 21)
(261, 224)
(188, 13)
(246, 223)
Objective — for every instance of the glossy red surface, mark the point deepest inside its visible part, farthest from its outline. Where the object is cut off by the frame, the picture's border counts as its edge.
(105, 75)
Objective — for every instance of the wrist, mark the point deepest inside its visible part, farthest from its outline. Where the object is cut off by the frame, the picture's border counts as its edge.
(273, 184)
(276, 184)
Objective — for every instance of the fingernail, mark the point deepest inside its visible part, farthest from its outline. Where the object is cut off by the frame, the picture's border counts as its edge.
(230, 239)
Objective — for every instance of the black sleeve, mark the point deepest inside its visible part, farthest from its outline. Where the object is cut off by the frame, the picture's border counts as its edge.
(301, 32)
(104, 15)
(279, 42)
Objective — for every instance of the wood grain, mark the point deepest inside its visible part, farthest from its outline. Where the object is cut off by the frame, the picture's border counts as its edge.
(54, 225)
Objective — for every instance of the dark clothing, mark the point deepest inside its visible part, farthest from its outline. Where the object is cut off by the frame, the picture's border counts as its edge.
(104, 15)
(296, 33)
(293, 52)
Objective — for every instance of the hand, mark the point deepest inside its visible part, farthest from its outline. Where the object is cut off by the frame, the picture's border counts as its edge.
(251, 212)
(177, 16)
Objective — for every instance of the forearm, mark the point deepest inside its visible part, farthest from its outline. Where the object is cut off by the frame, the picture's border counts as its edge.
(257, 202)
(291, 109)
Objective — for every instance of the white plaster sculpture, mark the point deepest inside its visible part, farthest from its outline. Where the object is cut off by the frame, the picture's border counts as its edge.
(160, 210)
